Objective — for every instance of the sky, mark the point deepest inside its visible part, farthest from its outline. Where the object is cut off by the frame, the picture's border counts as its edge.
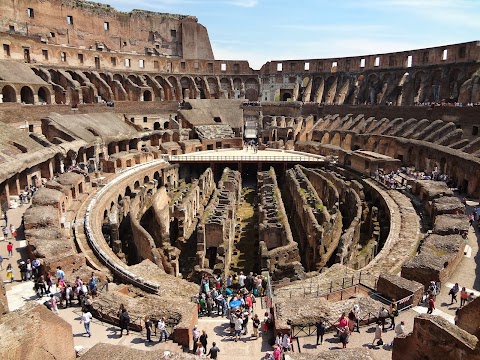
(263, 30)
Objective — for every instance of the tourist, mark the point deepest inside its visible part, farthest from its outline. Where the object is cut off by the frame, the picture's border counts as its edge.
(238, 322)
(279, 339)
(124, 321)
(203, 340)
(1, 262)
(196, 338)
(277, 352)
(286, 342)
(267, 322)
(214, 350)
(69, 295)
(86, 319)
(40, 286)
(13, 231)
(463, 297)
(23, 270)
(453, 292)
(162, 328)
(54, 304)
(148, 327)
(383, 314)
(351, 320)
(431, 304)
(393, 313)
(342, 322)
(60, 274)
(344, 336)
(36, 268)
(241, 280)
(9, 271)
(256, 325)
(399, 330)
(200, 350)
(320, 331)
(5, 232)
(245, 322)
(10, 249)
(378, 334)
(28, 270)
(356, 311)
(471, 297)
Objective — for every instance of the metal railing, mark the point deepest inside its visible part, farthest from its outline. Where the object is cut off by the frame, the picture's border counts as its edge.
(318, 290)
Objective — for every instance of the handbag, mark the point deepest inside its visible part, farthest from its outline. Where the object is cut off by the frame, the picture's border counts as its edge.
(380, 342)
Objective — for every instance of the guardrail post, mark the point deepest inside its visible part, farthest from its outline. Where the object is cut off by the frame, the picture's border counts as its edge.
(360, 278)
(331, 285)
(343, 283)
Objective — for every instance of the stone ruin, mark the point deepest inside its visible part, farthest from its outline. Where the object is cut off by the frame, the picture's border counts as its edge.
(112, 205)
(216, 229)
(278, 251)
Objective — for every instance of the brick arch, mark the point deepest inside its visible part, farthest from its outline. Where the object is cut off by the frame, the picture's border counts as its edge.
(9, 94)
(26, 95)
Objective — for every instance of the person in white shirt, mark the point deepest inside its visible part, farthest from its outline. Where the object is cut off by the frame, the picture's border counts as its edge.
(399, 330)
(86, 319)
(241, 280)
(163, 329)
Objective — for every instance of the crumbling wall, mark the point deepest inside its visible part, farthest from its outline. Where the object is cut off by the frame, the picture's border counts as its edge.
(469, 317)
(36, 326)
(317, 229)
(277, 247)
(435, 338)
(216, 229)
(438, 258)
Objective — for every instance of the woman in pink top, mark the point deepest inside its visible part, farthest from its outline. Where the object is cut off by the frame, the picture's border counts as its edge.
(343, 321)
(277, 353)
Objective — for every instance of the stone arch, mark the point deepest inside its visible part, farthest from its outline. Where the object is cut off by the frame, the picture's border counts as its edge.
(166, 125)
(251, 89)
(286, 96)
(136, 185)
(325, 138)
(26, 95)
(147, 95)
(336, 140)
(186, 84)
(330, 87)
(237, 84)
(128, 191)
(347, 142)
(454, 83)
(175, 136)
(44, 95)
(146, 179)
(9, 94)
(88, 94)
(156, 125)
(213, 87)
(225, 87)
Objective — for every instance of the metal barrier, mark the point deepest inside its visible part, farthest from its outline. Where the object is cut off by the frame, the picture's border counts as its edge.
(348, 282)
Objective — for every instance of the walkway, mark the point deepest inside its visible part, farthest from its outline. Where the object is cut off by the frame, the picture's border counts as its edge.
(244, 155)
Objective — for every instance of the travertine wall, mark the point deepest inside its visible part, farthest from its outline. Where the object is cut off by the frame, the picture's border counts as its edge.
(36, 326)
(438, 338)
(469, 317)
(100, 27)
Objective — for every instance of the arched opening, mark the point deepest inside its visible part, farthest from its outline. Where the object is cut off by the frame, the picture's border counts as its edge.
(128, 191)
(9, 94)
(156, 125)
(136, 185)
(146, 180)
(147, 95)
(44, 96)
(26, 95)
(286, 96)
(166, 125)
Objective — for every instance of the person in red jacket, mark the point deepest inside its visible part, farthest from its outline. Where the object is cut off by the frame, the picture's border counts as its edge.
(431, 304)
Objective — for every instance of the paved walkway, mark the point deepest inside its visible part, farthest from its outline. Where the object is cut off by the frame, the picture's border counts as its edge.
(271, 155)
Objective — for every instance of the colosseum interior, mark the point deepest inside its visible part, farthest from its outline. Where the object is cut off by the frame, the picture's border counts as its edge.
(153, 165)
